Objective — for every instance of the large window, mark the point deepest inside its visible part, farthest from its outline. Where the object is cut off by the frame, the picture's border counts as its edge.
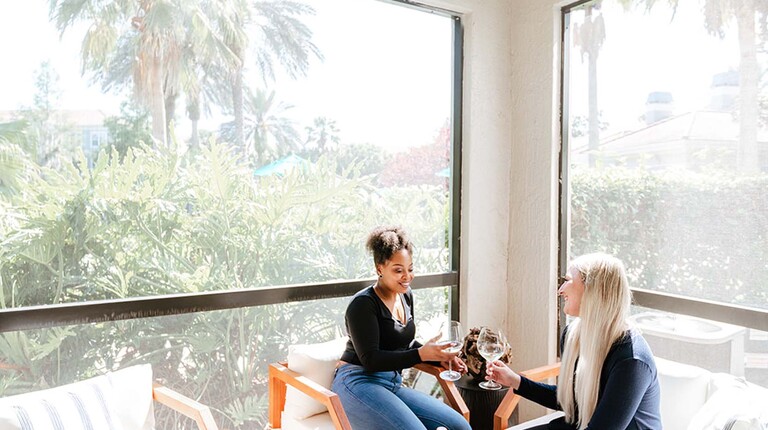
(241, 154)
(665, 159)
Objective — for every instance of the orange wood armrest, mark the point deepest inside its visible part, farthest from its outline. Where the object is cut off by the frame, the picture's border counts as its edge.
(449, 388)
(510, 401)
(542, 373)
(280, 376)
(185, 406)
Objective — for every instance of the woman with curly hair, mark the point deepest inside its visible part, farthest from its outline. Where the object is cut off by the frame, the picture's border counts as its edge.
(381, 330)
(608, 376)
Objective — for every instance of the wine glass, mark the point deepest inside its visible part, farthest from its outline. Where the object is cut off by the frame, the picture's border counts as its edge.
(491, 345)
(452, 339)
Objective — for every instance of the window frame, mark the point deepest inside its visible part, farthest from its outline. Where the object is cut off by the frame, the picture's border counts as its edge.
(44, 316)
(723, 312)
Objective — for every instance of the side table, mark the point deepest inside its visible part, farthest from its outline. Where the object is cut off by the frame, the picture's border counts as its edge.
(482, 403)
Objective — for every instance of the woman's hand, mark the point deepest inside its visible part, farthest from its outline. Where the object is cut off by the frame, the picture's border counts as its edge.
(501, 373)
(432, 351)
(456, 364)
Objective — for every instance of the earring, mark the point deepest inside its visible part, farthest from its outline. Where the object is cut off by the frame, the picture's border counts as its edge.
(379, 275)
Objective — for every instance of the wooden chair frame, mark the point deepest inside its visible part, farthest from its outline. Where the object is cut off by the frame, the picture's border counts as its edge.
(185, 406)
(280, 376)
(510, 401)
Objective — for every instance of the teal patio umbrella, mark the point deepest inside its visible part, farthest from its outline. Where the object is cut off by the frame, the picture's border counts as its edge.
(281, 166)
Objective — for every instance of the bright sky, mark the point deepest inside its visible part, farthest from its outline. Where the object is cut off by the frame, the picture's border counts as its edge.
(385, 77)
(27, 40)
(646, 52)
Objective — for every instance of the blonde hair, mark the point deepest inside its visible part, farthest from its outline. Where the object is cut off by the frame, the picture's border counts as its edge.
(602, 321)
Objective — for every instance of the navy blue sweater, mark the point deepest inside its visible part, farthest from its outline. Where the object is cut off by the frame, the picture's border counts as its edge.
(629, 390)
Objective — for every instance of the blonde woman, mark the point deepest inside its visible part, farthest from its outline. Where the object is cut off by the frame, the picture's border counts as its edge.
(608, 376)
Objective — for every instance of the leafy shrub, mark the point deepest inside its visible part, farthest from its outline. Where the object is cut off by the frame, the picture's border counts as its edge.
(152, 223)
(699, 235)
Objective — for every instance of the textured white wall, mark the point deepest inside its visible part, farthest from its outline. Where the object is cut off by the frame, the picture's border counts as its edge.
(509, 174)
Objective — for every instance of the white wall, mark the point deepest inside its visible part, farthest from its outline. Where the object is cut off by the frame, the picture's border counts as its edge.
(509, 189)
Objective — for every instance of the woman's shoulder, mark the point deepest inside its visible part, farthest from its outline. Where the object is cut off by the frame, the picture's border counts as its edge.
(632, 346)
(366, 295)
(365, 292)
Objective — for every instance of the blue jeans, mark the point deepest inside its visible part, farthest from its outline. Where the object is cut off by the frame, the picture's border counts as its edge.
(378, 400)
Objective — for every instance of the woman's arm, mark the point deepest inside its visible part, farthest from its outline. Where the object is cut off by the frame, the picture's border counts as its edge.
(364, 331)
(543, 394)
(625, 388)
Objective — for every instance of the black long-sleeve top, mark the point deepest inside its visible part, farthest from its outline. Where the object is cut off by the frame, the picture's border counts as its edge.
(377, 340)
(629, 393)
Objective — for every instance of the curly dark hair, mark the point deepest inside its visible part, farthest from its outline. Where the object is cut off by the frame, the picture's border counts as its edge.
(384, 241)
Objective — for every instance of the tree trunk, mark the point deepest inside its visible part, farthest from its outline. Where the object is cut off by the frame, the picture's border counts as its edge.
(746, 154)
(238, 91)
(157, 104)
(594, 114)
(193, 112)
(170, 112)
(593, 128)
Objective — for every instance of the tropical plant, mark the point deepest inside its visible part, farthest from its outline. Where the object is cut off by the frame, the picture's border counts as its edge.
(149, 224)
(322, 136)
(47, 135)
(14, 160)
(128, 130)
(276, 35)
(269, 133)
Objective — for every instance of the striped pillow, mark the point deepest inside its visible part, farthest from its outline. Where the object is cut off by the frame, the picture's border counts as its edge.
(85, 405)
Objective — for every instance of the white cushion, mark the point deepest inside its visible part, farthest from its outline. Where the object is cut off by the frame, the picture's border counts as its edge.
(683, 392)
(120, 400)
(132, 389)
(84, 405)
(732, 409)
(316, 422)
(318, 363)
(538, 421)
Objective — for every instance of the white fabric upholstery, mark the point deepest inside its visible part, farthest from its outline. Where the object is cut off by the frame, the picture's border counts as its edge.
(116, 401)
(85, 405)
(316, 422)
(318, 363)
(683, 392)
(537, 422)
(132, 388)
(693, 398)
(738, 408)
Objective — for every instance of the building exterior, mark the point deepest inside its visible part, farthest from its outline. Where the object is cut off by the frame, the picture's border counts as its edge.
(84, 128)
(695, 140)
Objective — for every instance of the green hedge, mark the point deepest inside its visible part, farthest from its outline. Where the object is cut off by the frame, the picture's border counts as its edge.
(695, 234)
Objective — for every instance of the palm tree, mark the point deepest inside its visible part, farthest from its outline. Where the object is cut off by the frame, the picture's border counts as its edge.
(279, 38)
(322, 135)
(589, 37)
(144, 27)
(268, 133)
(146, 45)
(161, 49)
(717, 14)
(206, 57)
